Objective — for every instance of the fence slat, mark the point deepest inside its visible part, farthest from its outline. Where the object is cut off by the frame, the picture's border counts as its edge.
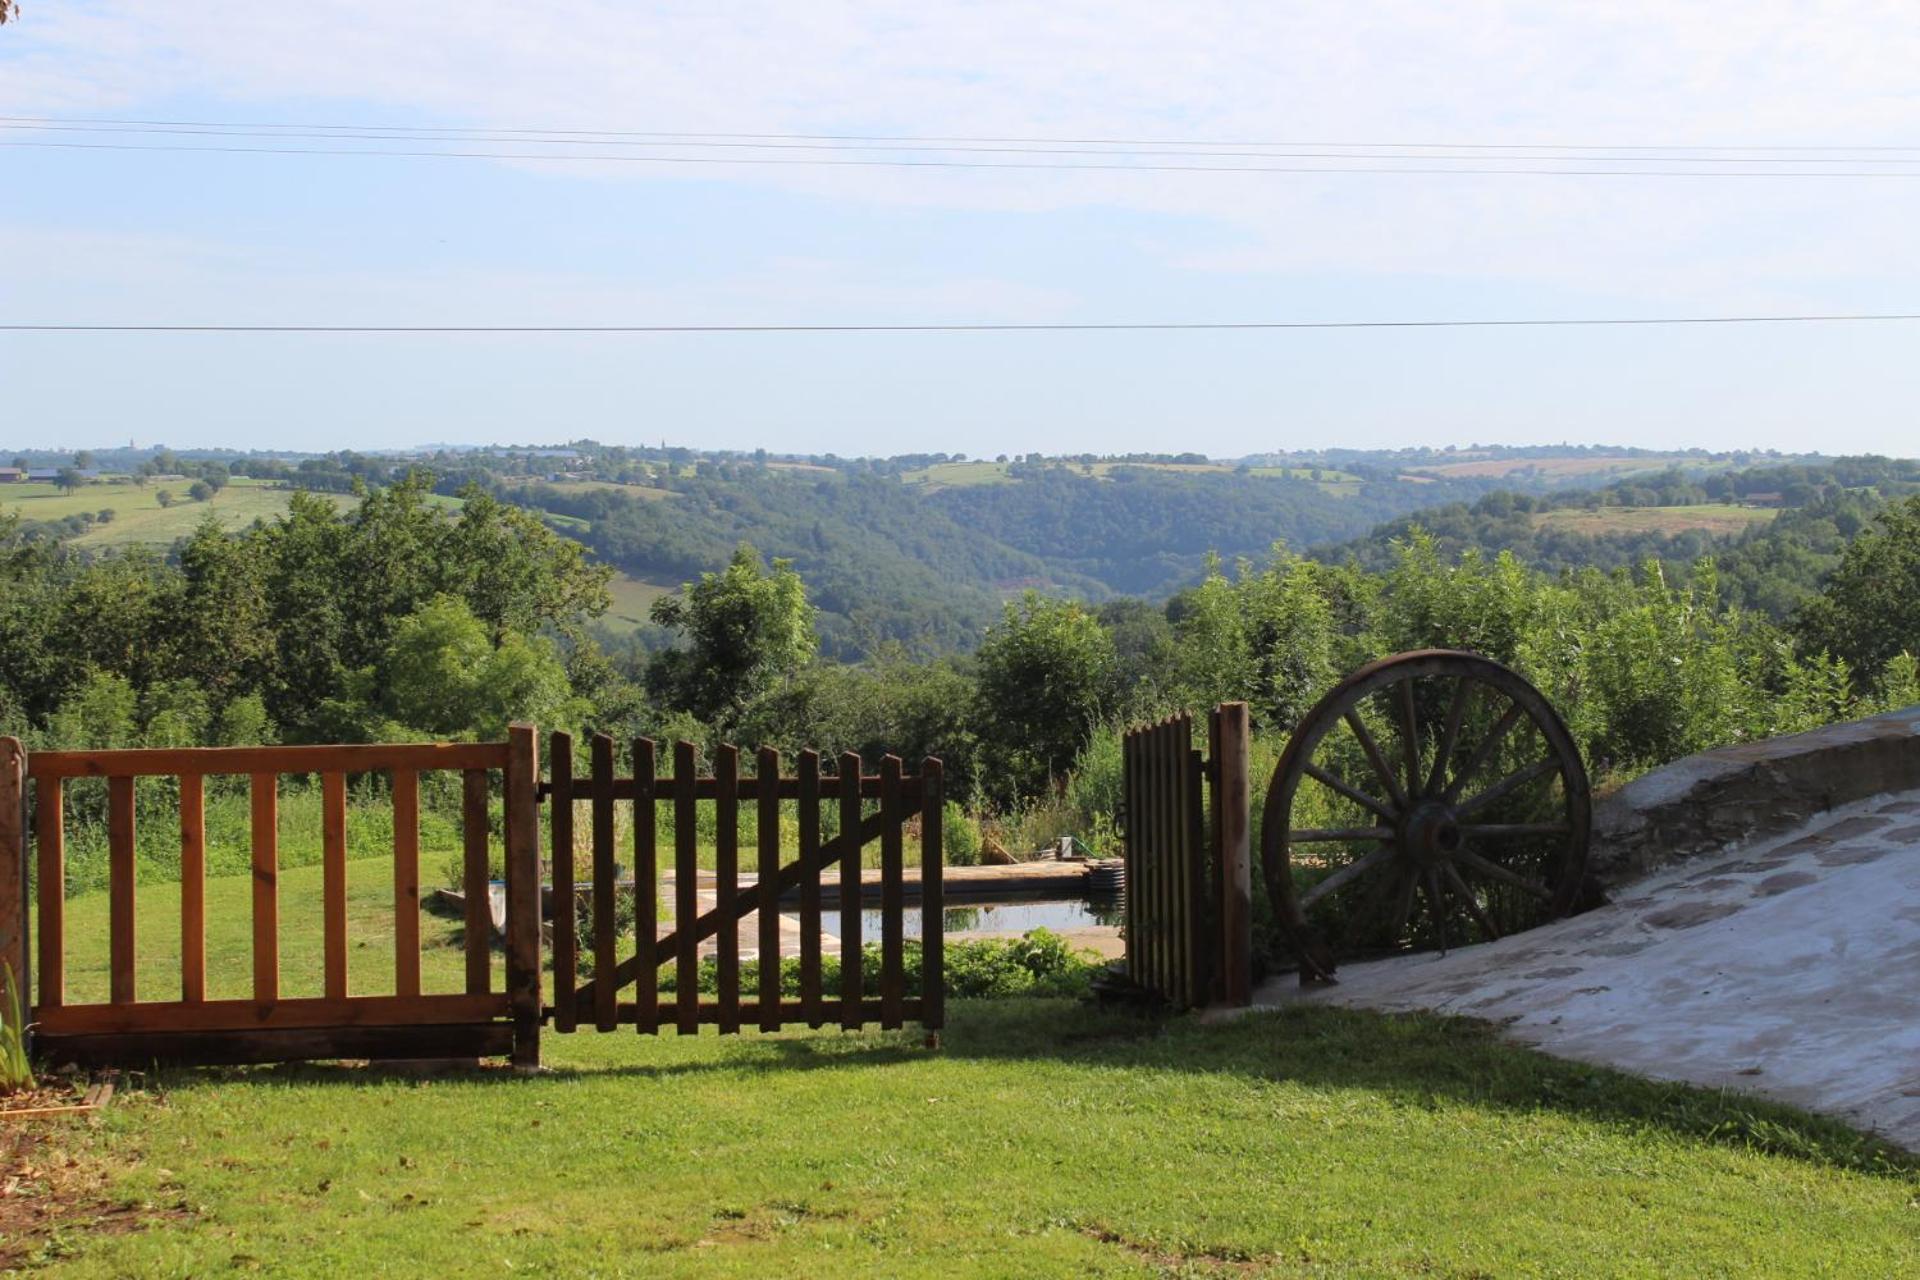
(566, 943)
(50, 835)
(726, 875)
(266, 887)
(933, 963)
(521, 782)
(406, 882)
(605, 937)
(811, 996)
(893, 908)
(767, 836)
(850, 958)
(477, 925)
(686, 902)
(333, 889)
(1129, 852)
(646, 890)
(1182, 860)
(193, 888)
(120, 875)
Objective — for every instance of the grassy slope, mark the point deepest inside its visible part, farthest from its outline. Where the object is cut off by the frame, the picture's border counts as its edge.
(1714, 517)
(1045, 1138)
(138, 516)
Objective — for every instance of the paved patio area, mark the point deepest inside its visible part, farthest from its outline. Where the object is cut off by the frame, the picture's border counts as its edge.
(1789, 967)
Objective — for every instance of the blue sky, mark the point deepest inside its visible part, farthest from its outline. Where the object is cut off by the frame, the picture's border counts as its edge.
(110, 236)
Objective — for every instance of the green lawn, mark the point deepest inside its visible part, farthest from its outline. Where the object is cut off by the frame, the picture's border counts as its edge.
(632, 601)
(1044, 1138)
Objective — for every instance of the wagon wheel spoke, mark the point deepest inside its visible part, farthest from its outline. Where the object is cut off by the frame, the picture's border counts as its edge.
(1374, 758)
(1346, 875)
(1410, 736)
(1351, 792)
(1494, 871)
(1499, 830)
(1449, 734)
(1437, 907)
(1403, 904)
(1465, 893)
(1507, 786)
(1483, 752)
(1383, 892)
(1326, 835)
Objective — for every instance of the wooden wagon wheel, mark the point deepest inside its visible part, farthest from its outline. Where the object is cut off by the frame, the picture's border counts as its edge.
(1436, 775)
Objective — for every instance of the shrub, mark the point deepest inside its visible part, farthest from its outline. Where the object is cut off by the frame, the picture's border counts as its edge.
(960, 836)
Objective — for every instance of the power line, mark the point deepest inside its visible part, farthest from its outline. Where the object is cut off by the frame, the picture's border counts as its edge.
(956, 164)
(925, 138)
(385, 134)
(962, 327)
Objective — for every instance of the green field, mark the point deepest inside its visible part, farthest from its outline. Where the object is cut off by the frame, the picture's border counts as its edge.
(138, 516)
(950, 475)
(1713, 517)
(632, 599)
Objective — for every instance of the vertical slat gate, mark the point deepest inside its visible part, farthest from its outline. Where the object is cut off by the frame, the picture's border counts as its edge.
(933, 967)
(850, 891)
(767, 835)
(686, 901)
(50, 872)
(266, 887)
(893, 909)
(120, 873)
(1170, 932)
(605, 936)
(477, 925)
(811, 997)
(193, 888)
(566, 950)
(646, 887)
(333, 884)
(406, 882)
(523, 893)
(726, 875)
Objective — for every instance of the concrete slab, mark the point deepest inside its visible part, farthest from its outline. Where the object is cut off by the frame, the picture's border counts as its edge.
(1788, 968)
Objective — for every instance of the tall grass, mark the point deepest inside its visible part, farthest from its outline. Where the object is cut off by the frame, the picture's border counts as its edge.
(16, 1072)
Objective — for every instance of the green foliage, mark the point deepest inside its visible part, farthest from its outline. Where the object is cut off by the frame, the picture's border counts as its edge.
(959, 836)
(1046, 677)
(16, 1070)
(441, 677)
(1869, 610)
(745, 630)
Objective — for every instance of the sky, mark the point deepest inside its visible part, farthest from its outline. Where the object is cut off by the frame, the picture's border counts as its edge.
(95, 235)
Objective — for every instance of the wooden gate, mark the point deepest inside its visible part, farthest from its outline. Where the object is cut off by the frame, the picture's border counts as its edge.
(706, 944)
(186, 1025)
(1188, 867)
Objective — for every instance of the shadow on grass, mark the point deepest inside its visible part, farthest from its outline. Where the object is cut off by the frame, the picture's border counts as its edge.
(1416, 1060)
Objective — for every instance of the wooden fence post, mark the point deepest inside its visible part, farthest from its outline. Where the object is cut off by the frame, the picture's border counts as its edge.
(13, 867)
(523, 894)
(1233, 854)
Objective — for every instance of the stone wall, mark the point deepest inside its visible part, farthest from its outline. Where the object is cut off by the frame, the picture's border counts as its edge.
(1717, 798)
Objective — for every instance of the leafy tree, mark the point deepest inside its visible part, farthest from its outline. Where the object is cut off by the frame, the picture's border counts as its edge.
(164, 497)
(745, 630)
(1046, 678)
(200, 491)
(442, 676)
(69, 479)
(1869, 610)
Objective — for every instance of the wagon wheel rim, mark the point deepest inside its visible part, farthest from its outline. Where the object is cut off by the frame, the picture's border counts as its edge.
(1443, 750)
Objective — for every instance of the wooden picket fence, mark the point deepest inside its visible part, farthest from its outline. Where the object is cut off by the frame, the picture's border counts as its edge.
(266, 1026)
(1188, 862)
(900, 798)
(185, 1025)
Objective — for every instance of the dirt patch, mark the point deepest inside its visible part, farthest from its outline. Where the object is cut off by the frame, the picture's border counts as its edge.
(50, 1191)
(1686, 915)
(1784, 881)
(1181, 1261)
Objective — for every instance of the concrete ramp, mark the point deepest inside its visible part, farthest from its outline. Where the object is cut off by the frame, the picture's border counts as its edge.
(1789, 968)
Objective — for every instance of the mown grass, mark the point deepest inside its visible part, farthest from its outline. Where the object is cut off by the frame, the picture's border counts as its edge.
(1045, 1138)
(138, 516)
(1713, 517)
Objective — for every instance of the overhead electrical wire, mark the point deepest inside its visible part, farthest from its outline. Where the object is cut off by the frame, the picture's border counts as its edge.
(550, 157)
(965, 327)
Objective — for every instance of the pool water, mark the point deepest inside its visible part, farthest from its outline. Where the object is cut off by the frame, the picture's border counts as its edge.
(1006, 917)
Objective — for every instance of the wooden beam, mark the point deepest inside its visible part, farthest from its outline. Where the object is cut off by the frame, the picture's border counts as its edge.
(566, 928)
(604, 936)
(333, 882)
(193, 887)
(477, 926)
(646, 890)
(50, 874)
(523, 894)
(213, 1048)
(226, 1015)
(120, 885)
(406, 882)
(266, 888)
(348, 758)
(933, 971)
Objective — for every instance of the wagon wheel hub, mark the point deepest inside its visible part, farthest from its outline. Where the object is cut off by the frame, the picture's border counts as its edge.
(1430, 833)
